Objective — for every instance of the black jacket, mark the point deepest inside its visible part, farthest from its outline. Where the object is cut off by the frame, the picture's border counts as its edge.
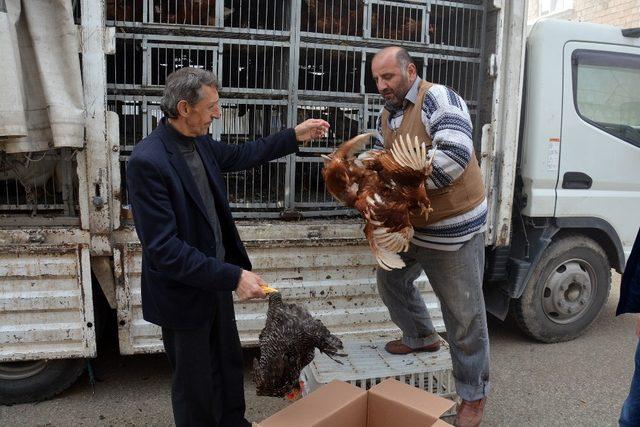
(181, 278)
(630, 285)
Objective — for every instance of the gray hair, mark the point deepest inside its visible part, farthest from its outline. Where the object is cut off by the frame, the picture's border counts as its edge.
(185, 84)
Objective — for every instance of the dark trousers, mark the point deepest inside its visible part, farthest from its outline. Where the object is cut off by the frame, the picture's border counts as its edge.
(207, 387)
(630, 415)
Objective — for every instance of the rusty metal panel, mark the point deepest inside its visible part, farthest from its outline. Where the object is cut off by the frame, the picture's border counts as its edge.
(325, 266)
(335, 282)
(98, 157)
(113, 129)
(134, 333)
(52, 235)
(46, 304)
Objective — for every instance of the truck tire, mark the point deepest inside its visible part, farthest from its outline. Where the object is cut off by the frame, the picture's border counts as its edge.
(567, 290)
(37, 380)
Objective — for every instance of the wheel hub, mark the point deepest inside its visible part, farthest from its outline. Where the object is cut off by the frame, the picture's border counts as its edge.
(568, 291)
(13, 371)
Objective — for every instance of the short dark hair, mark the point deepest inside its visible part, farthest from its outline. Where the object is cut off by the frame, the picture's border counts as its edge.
(185, 84)
(403, 58)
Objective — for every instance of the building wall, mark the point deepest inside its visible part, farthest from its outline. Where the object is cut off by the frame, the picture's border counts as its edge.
(621, 13)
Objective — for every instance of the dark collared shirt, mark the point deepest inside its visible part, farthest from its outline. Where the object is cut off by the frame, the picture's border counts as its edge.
(188, 150)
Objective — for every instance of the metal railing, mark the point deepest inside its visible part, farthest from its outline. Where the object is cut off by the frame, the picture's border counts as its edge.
(36, 184)
(280, 62)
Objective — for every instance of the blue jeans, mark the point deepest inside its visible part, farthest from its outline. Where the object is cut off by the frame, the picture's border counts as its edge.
(456, 279)
(630, 415)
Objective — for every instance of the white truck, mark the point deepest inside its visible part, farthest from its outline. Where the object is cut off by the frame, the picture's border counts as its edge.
(557, 130)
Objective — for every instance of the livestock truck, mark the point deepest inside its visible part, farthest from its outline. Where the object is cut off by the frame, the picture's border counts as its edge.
(556, 116)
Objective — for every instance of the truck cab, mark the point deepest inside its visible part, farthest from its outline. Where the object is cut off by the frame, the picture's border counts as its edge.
(577, 185)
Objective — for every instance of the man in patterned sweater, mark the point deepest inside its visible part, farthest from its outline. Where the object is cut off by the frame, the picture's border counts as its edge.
(449, 245)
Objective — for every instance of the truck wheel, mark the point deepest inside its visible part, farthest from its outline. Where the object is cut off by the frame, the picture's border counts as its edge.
(566, 292)
(37, 380)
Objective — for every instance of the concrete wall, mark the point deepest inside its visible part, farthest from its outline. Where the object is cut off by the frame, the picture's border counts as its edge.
(621, 13)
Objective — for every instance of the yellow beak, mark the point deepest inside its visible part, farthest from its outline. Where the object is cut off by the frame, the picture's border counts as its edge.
(268, 289)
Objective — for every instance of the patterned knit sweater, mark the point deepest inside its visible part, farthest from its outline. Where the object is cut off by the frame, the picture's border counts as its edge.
(446, 118)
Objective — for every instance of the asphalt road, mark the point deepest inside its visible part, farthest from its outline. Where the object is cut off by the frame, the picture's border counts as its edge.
(579, 383)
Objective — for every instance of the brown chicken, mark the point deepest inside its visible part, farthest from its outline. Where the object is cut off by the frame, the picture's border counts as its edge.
(386, 186)
(325, 16)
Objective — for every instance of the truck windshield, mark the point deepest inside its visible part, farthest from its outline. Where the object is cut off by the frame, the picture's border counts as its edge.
(606, 89)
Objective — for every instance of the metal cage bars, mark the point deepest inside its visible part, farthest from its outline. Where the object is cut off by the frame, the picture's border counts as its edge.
(310, 66)
(444, 24)
(36, 184)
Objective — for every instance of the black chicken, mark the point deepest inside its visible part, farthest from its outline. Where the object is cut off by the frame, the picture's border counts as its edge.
(287, 344)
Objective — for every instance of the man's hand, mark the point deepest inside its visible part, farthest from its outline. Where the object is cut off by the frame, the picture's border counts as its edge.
(249, 286)
(311, 129)
(638, 326)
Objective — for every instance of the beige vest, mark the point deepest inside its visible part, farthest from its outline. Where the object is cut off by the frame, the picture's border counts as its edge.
(463, 194)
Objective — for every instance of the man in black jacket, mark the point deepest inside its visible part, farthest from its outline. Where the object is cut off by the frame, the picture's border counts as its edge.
(192, 255)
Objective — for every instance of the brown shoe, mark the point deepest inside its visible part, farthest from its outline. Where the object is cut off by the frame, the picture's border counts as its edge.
(397, 347)
(470, 413)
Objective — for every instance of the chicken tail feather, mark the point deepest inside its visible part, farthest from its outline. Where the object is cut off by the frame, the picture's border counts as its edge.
(412, 154)
(389, 260)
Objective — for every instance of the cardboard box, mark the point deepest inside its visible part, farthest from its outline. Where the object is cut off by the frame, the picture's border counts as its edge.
(339, 404)
(392, 403)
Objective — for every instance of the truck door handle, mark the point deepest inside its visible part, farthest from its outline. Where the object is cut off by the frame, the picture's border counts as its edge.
(576, 181)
